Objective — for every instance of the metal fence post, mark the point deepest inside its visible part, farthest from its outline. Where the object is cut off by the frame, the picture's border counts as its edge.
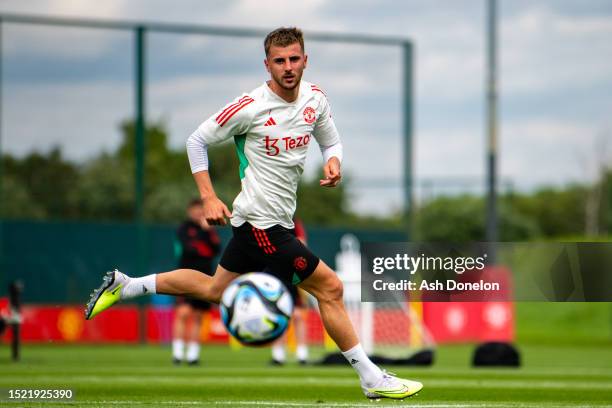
(1, 162)
(139, 147)
(491, 90)
(408, 125)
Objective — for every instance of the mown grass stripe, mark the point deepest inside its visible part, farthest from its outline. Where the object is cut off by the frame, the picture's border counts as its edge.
(407, 402)
(343, 382)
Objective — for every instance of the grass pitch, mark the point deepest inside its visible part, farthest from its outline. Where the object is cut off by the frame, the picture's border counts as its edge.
(133, 376)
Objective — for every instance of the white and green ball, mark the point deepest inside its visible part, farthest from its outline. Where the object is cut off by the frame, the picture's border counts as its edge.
(256, 308)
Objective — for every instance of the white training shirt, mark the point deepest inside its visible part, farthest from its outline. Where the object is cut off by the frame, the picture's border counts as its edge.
(272, 138)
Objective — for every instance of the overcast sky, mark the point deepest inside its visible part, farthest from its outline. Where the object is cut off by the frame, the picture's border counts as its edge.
(71, 87)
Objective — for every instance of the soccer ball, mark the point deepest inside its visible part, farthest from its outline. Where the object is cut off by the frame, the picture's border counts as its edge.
(256, 308)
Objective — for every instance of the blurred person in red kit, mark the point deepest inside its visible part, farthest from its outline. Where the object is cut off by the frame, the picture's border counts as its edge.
(197, 244)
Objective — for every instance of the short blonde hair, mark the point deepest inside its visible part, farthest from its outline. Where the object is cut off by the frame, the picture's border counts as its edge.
(283, 37)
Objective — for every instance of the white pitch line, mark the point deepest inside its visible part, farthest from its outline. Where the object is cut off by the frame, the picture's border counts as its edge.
(343, 382)
(466, 371)
(121, 402)
(405, 403)
(352, 404)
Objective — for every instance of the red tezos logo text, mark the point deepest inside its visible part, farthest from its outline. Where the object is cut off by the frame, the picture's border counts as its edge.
(275, 145)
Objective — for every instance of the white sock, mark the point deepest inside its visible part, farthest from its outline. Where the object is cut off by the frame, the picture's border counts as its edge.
(369, 373)
(278, 352)
(178, 348)
(302, 352)
(193, 351)
(139, 286)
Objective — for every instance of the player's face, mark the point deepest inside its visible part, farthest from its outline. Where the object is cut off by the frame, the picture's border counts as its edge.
(286, 65)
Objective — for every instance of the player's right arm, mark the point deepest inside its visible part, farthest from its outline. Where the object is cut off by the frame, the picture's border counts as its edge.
(215, 210)
(234, 119)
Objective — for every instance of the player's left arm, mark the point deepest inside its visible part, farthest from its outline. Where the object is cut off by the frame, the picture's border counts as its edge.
(328, 138)
(331, 172)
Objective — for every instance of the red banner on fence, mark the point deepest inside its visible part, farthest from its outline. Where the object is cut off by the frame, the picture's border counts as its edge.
(159, 326)
(67, 324)
(463, 322)
(448, 322)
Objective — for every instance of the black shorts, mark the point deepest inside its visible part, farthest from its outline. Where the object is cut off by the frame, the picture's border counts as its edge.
(274, 250)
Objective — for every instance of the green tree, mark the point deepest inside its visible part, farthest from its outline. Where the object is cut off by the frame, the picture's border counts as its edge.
(168, 182)
(49, 180)
(462, 219)
(106, 189)
(606, 218)
(320, 205)
(557, 211)
(17, 201)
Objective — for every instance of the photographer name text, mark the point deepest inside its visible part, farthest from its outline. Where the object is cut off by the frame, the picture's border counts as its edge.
(424, 285)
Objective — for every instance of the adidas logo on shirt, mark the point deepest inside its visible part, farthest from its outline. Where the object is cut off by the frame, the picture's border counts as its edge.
(270, 122)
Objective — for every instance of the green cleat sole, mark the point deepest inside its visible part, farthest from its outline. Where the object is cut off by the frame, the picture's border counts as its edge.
(101, 299)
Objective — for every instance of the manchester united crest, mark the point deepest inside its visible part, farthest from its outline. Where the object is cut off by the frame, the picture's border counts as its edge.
(300, 263)
(309, 115)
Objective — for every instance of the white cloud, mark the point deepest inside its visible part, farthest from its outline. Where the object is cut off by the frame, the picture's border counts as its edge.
(101, 9)
(548, 150)
(81, 119)
(543, 51)
(547, 49)
(59, 42)
(270, 13)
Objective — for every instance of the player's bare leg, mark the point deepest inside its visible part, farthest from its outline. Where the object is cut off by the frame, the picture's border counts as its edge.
(196, 325)
(193, 338)
(180, 282)
(301, 352)
(181, 313)
(189, 282)
(298, 320)
(327, 288)
(278, 348)
(186, 343)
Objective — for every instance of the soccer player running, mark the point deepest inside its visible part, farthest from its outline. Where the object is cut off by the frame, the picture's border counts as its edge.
(272, 127)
